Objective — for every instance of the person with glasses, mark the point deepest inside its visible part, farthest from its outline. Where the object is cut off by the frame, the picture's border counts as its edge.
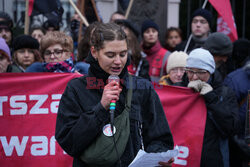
(57, 51)
(175, 68)
(222, 109)
(201, 21)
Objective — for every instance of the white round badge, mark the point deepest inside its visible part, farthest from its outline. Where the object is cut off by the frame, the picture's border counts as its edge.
(107, 130)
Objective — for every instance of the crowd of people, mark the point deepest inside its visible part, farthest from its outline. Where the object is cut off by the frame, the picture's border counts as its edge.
(210, 63)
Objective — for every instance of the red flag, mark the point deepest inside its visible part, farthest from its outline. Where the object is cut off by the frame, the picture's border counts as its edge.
(43, 6)
(225, 21)
(186, 115)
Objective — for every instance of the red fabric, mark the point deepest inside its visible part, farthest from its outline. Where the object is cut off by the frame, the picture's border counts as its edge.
(225, 22)
(155, 56)
(131, 69)
(186, 115)
(28, 107)
(31, 4)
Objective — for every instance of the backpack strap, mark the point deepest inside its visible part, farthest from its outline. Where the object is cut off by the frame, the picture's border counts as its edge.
(164, 62)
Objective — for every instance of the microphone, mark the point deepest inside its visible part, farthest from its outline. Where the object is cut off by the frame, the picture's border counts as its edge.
(112, 102)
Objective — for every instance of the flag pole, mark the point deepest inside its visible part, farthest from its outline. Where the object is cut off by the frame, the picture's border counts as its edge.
(79, 13)
(82, 5)
(129, 8)
(95, 9)
(191, 35)
(27, 18)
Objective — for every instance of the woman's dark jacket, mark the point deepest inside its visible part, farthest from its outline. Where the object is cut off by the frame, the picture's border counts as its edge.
(81, 116)
(222, 120)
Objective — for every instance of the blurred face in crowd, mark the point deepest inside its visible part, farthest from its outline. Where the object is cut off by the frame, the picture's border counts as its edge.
(116, 16)
(25, 57)
(37, 34)
(4, 61)
(56, 53)
(173, 39)
(150, 36)
(113, 57)
(219, 60)
(197, 74)
(200, 27)
(5, 33)
(176, 74)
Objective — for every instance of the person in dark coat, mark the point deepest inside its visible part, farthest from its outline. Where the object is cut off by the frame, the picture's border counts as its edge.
(200, 30)
(239, 81)
(222, 110)
(84, 106)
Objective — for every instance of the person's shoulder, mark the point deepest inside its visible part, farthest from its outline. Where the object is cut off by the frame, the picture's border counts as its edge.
(235, 75)
(141, 83)
(181, 46)
(35, 67)
(82, 67)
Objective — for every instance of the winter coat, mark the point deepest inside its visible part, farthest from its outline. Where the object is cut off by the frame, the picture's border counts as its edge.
(192, 45)
(222, 121)
(155, 57)
(81, 116)
(81, 67)
(239, 81)
(141, 70)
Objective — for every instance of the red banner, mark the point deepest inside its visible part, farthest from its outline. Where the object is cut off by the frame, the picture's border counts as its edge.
(225, 21)
(28, 107)
(186, 115)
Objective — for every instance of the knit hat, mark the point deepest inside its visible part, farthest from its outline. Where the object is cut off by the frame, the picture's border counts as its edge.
(128, 24)
(25, 41)
(218, 44)
(202, 59)
(148, 24)
(176, 59)
(204, 13)
(4, 47)
(241, 51)
(6, 20)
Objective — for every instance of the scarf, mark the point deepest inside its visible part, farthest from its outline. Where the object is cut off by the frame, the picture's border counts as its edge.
(66, 66)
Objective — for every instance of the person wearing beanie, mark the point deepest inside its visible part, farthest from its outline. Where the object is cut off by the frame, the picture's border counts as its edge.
(221, 47)
(25, 53)
(6, 25)
(5, 57)
(200, 30)
(222, 109)
(56, 49)
(175, 68)
(156, 54)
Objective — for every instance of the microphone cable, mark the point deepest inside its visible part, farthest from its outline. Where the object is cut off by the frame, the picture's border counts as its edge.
(112, 109)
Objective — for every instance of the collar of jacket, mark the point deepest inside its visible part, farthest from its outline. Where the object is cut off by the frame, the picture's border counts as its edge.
(96, 71)
(153, 50)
